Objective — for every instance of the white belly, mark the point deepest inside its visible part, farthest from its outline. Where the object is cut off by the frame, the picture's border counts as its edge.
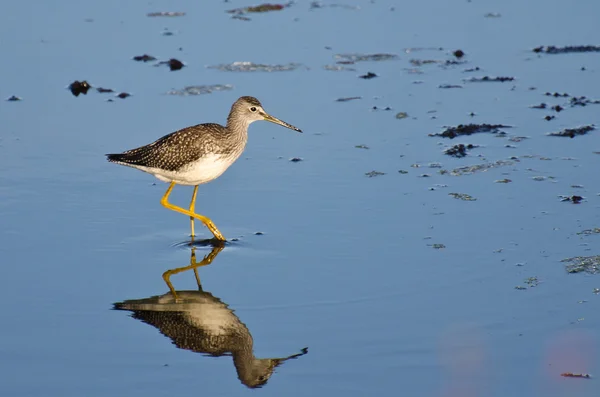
(201, 171)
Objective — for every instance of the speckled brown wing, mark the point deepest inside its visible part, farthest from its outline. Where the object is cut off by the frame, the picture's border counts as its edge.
(184, 335)
(175, 150)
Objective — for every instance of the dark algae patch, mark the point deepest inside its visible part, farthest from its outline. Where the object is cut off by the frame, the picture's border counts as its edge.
(489, 79)
(266, 7)
(573, 132)
(79, 87)
(372, 174)
(166, 14)
(144, 58)
(566, 50)
(459, 150)
(462, 196)
(572, 375)
(573, 199)
(368, 76)
(583, 264)
(469, 129)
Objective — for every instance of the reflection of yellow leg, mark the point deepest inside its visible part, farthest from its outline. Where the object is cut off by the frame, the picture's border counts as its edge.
(207, 260)
(207, 222)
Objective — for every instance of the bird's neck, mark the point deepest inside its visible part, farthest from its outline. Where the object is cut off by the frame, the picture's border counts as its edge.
(238, 125)
(244, 359)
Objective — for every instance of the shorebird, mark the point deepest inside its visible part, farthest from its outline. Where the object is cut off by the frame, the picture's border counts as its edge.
(198, 154)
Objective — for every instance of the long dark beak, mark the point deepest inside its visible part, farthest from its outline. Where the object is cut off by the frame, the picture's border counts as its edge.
(275, 120)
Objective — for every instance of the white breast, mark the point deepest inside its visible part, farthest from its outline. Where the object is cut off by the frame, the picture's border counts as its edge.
(201, 171)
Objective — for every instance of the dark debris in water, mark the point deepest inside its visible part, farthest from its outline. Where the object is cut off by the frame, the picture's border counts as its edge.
(583, 101)
(573, 132)
(361, 146)
(14, 98)
(566, 50)
(79, 87)
(166, 14)
(447, 86)
(459, 150)
(489, 79)
(103, 90)
(173, 64)
(459, 53)
(255, 67)
(372, 174)
(462, 196)
(572, 375)
(572, 199)
(401, 115)
(296, 159)
(144, 58)
(200, 89)
(471, 169)
(469, 129)
(123, 95)
(266, 7)
(368, 76)
(338, 68)
(583, 264)
(365, 57)
(531, 282)
(347, 99)
(588, 232)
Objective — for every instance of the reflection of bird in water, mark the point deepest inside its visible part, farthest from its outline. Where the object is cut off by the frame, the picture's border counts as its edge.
(201, 322)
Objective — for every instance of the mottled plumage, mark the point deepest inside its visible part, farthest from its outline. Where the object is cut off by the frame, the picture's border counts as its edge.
(177, 149)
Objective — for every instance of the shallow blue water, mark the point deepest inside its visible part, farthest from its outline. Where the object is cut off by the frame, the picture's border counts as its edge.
(346, 265)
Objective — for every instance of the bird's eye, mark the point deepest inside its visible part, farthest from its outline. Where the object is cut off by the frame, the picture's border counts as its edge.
(253, 109)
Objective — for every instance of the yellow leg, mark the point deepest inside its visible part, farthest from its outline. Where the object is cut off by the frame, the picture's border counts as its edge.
(207, 260)
(207, 222)
(192, 208)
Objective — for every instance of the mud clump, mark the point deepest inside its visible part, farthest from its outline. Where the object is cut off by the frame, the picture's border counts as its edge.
(566, 50)
(173, 64)
(573, 132)
(458, 53)
(469, 129)
(79, 87)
